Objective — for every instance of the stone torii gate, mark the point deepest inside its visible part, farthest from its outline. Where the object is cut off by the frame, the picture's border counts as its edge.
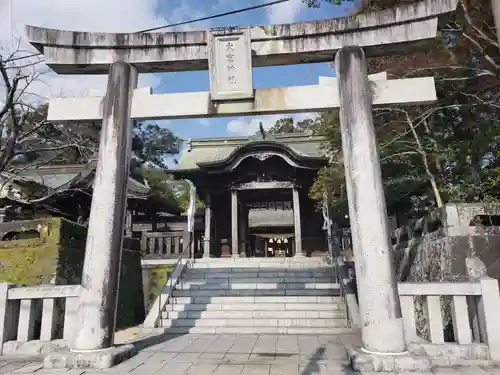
(230, 54)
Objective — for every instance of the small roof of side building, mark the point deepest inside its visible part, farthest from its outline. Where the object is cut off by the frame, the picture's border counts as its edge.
(60, 182)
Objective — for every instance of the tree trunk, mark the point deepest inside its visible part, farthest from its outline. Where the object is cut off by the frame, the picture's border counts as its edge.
(432, 179)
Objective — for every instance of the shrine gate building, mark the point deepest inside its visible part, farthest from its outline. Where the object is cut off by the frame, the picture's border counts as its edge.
(256, 194)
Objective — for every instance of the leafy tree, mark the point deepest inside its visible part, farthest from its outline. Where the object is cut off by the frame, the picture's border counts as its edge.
(447, 151)
(317, 3)
(181, 191)
(159, 183)
(287, 125)
(28, 140)
(152, 144)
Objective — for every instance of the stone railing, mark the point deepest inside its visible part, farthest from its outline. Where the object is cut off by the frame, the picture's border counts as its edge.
(166, 245)
(474, 313)
(36, 313)
(162, 244)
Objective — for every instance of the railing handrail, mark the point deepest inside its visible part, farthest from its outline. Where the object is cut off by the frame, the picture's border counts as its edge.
(171, 278)
(342, 288)
(43, 291)
(187, 247)
(171, 233)
(467, 288)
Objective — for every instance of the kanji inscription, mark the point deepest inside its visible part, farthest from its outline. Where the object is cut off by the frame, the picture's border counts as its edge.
(230, 64)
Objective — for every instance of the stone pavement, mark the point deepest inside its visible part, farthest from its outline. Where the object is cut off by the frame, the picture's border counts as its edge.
(234, 354)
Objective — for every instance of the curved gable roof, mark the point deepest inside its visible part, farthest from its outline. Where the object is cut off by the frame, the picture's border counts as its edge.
(262, 146)
(210, 153)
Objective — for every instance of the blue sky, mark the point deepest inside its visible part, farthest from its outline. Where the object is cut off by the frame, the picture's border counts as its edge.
(306, 74)
(133, 15)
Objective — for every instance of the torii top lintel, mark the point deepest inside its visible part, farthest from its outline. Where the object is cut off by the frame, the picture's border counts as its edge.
(379, 33)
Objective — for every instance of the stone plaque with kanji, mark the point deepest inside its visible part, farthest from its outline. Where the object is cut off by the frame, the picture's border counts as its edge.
(230, 64)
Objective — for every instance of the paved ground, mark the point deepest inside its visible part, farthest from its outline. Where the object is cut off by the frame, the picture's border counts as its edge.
(232, 355)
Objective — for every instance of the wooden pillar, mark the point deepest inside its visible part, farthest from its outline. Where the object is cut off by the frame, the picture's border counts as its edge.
(297, 223)
(380, 310)
(208, 227)
(96, 313)
(234, 223)
(243, 229)
(246, 227)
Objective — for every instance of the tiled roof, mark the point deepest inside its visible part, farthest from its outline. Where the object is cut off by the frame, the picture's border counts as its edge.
(56, 176)
(206, 150)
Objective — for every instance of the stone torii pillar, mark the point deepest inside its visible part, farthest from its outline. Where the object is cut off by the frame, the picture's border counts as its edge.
(380, 310)
(101, 271)
(495, 6)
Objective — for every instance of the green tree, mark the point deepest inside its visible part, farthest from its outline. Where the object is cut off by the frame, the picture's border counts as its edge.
(287, 125)
(317, 3)
(28, 139)
(447, 151)
(182, 195)
(159, 183)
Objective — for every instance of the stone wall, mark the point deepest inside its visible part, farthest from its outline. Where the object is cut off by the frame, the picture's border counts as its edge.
(436, 247)
(154, 278)
(55, 256)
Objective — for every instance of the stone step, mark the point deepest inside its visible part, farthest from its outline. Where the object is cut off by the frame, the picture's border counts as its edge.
(248, 263)
(253, 272)
(190, 275)
(305, 323)
(223, 300)
(256, 330)
(255, 292)
(260, 286)
(271, 314)
(216, 279)
(278, 307)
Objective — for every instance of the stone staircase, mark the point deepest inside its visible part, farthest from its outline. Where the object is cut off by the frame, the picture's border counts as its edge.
(281, 296)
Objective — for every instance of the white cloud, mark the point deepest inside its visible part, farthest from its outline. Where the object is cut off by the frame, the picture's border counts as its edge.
(88, 15)
(185, 12)
(204, 122)
(286, 12)
(249, 126)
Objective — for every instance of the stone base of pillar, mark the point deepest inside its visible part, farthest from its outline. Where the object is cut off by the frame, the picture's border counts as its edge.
(99, 359)
(225, 251)
(392, 363)
(206, 249)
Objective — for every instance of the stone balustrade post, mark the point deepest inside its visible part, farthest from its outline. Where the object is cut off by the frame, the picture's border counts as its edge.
(9, 315)
(488, 308)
